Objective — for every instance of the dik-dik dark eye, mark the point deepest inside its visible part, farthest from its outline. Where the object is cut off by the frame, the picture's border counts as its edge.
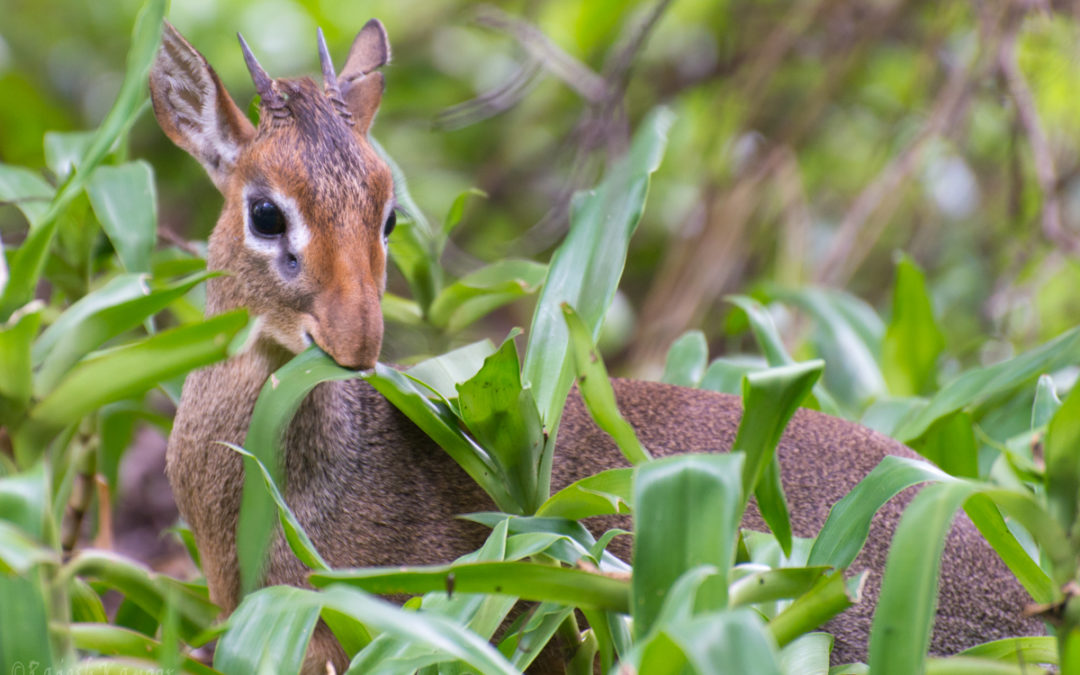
(391, 221)
(266, 218)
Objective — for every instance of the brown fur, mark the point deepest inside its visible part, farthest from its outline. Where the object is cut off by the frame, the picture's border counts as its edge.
(367, 485)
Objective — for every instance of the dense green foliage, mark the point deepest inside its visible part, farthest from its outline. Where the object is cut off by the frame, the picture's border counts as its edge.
(786, 151)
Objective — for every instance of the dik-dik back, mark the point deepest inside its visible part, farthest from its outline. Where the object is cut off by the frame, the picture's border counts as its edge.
(308, 208)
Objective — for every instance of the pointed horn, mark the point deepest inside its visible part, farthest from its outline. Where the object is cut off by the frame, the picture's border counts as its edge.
(263, 83)
(329, 78)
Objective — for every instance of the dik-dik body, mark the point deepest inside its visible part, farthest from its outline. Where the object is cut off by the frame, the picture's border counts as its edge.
(308, 209)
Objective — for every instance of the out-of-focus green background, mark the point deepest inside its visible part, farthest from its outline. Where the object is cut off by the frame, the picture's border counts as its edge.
(814, 140)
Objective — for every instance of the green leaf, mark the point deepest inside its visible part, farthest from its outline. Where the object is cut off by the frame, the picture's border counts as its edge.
(829, 596)
(457, 209)
(27, 190)
(16, 376)
(28, 262)
(481, 292)
(950, 443)
(687, 510)
(278, 401)
(443, 373)
(714, 643)
(1023, 649)
(529, 581)
(775, 584)
(725, 375)
(437, 420)
(770, 398)
(900, 634)
(1063, 461)
(122, 304)
(502, 416)
(24, 501)
(913, 340)
(64, 150)
(125, 201)
(1046, 402)
(114, 641)
(585, 270)
(413, 245)
(133, 369)
(295, 536)
(853, 374)
(807, 655)
(597, 392)
(269, 632)
(24, 640)
(18, 552)
(979, 384)
(602, 494)
(686, 360)
(149, 591)
(772, 346)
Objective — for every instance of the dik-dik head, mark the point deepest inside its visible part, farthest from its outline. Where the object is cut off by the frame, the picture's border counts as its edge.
(308, 202)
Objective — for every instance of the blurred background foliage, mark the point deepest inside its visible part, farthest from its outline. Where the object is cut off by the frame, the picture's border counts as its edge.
(813, 141)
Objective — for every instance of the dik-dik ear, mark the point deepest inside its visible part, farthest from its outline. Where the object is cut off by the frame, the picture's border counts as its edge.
(193, 108)
(361, 88)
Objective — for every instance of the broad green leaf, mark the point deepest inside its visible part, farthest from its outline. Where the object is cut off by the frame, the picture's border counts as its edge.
(605, 493)
(962, 665)
(596, 390)
(443, 373)
(1035, 649)
(828, 597)
(913, 340)
(585, 270)
(524, 643)
(125, 202)
(686, 360)
(529, 581)
(502, 417)
(27, 190)
(29, 261)
(725, 375)
(18, 552)
(149, 591)
(1046, 402)
(422, 628)
(772, 346)
(900, 634)
(269, 632)
(950, 443)
(24, 616)
(24, 501)
(86, 605)
(397, 308)
(479, 293)
(853, 374)
(770, 398)
(979, 384)
(711, 644)
(437, 420)
(584, 542)
(278, 401)
(130, 370)
(114, 641)
(687, 510)
(1063, 461)
(16, 378)
(122, 304)
(64, 150)
(807, 655)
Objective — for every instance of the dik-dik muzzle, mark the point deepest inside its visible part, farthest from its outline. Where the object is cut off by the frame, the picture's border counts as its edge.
(308, 203)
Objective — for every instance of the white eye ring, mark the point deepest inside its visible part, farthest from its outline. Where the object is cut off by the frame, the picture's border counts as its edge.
(389, 220)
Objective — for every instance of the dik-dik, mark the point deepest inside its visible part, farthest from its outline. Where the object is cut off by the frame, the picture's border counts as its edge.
(303, 234)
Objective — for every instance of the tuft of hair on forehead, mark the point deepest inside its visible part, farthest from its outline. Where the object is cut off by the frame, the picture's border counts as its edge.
(316, 136)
